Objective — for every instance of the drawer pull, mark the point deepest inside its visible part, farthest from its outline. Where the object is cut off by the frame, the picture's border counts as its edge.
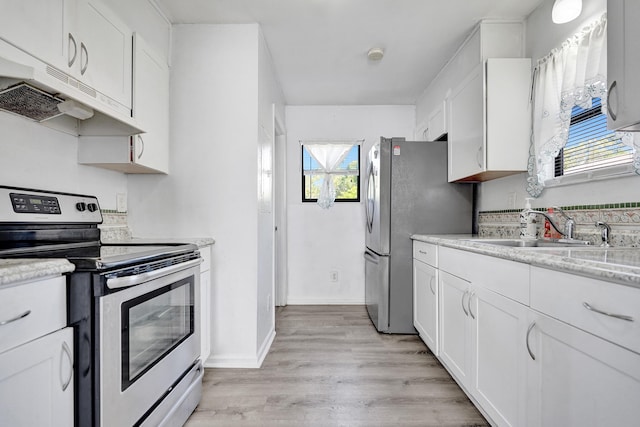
(533, 357)
(617, 316)
(422, 252)
(18, 317)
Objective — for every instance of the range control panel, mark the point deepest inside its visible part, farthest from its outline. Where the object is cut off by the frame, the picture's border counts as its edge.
(29, 203)
(23, 205)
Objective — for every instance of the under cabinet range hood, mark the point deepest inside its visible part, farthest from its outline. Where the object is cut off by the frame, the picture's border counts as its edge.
(40, 92)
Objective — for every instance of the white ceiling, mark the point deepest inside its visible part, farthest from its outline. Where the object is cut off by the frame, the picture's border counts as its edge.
(319, 46)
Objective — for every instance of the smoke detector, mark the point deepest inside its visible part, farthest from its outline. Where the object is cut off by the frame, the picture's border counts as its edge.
(375, 54)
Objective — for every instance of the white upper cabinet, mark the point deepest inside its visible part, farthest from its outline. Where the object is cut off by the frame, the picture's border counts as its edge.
(490, 121)
(81, 38)
(104, 51)
(480, 99)
(42, 28)
(623, 62)
(147, 152)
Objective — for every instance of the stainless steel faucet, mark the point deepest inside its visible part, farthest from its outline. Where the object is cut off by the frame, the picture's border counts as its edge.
(605, 232)
(534, 212)
(569, 225)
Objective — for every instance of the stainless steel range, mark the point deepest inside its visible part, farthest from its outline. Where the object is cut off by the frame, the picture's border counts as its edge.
(134, 309)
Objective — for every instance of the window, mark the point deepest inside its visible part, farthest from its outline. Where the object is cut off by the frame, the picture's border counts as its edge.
(346, 177)
(590, 144)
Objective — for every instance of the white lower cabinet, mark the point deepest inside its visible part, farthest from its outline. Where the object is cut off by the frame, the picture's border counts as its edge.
(425, 303)
(536, 347)
(499, 327)
(577, 379)
(205, 303)
(455, 327)
(36, 382)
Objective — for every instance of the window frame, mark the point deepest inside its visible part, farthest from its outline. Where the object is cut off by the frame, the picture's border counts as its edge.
(337, 200)
(606, 172)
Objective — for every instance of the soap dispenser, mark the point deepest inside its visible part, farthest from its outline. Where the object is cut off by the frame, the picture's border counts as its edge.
(528, 225)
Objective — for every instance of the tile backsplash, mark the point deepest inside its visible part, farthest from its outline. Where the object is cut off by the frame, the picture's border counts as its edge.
(624, 219)
(114, 227)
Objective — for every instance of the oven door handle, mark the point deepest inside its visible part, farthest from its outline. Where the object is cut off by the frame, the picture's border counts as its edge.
(126, 281)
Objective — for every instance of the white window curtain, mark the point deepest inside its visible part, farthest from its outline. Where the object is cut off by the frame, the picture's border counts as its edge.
(570, 75)
(329, 156)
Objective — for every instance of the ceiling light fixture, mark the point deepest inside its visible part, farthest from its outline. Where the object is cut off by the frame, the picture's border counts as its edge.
(375, 54)
(565, 11)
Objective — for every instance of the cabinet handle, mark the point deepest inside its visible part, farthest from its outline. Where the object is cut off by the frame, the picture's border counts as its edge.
(75, 50)
(464, 309)
(469, 305)
(142, 150)
(613, 115)
(66, 351)
(479, 157)
(533, 357)
(431, 285)
(617, 316)
(83, 48)
(18, 317)
(422, 252)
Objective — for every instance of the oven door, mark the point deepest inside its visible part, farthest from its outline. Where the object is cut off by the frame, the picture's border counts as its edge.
(149, 339)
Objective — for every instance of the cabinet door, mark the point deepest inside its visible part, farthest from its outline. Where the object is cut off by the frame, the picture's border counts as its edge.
(39, 27)
(437, 124)
(455, 327)
(623, 61)
(499, 356)
(578, 379)
(105, 51)
(36, 382)
(151, 106)
(425, 303)
(466, 136)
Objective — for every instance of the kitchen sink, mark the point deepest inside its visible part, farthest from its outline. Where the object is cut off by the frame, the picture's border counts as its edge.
(535, 243)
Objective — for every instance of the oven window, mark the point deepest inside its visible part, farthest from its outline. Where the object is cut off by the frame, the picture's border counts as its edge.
(153, 325)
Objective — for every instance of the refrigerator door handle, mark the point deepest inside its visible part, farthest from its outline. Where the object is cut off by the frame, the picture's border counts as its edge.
(370, 205)
(368, 256)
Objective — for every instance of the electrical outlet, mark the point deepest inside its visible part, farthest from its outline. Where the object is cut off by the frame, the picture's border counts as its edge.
(121, 202)
(333, 276)
(511, 200)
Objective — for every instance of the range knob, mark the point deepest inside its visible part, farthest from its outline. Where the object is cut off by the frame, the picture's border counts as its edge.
(92, 207)
(81, 206)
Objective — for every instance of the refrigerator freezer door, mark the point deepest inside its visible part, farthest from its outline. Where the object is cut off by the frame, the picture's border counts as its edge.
(377, 289)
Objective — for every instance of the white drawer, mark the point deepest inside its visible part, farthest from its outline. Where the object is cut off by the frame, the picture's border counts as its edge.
(425, 252)
(38, 308)
(563, 296)
(205, 253)
(505, 277)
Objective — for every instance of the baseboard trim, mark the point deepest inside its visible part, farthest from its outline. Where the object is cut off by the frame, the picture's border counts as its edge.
(242, 360)
(324, 301)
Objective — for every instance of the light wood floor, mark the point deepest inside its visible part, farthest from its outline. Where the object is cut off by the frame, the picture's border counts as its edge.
(328, 366)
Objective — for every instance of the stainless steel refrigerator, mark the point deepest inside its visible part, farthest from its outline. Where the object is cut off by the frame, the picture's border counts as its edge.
(406, 193)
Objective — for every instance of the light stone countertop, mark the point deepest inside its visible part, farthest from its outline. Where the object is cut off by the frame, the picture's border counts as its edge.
(201, 242)
(14, 270)
(614, 264)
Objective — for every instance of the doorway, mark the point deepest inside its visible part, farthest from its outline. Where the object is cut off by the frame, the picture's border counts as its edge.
(280, 211)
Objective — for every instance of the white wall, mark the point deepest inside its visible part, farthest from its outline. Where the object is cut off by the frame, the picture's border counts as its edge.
(34, 156)
(269, 93)
(542, 36)
(213, 186)
(320, 240)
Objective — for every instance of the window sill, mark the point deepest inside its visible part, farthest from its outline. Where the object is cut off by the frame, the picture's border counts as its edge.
(612, 172)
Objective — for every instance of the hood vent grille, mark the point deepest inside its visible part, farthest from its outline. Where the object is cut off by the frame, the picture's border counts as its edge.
(30, 102)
